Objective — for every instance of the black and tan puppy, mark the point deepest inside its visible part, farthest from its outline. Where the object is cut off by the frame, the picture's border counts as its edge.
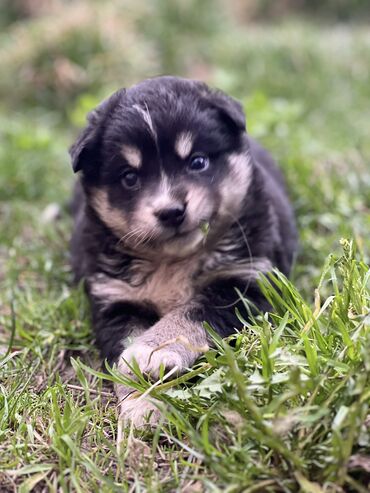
(175, 208)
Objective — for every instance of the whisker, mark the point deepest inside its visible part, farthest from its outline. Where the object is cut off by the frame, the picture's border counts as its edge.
(129, 235)
(141, 238)
(151, 236)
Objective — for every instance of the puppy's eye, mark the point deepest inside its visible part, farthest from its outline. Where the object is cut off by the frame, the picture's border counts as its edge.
(198, 163)
(130, 180)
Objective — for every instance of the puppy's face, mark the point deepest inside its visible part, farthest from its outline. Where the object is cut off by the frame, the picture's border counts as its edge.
(164, 165)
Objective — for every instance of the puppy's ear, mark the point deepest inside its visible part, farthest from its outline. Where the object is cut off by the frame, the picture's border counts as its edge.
(230, 109)
(85, 151)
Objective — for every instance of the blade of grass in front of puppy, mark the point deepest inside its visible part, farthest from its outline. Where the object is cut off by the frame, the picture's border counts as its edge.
(204, 227)
(183, 378)
(113, 375)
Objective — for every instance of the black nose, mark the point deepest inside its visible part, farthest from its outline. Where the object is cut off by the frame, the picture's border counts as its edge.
(172, 216)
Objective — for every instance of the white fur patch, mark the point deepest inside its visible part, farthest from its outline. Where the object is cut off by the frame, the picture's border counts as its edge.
(150, 359)
(137, 412)
(199, 208)
(147, 119)
(132, 155)
(162, 197)
(179, 248)
(184, 144)
(150, 203)
(165, 185)
(174, 342)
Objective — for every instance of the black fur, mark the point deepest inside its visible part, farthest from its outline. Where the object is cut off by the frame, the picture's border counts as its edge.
(264, 228)
(118, 319)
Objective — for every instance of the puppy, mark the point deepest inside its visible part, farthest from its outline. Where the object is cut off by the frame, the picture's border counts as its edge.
(175, 207)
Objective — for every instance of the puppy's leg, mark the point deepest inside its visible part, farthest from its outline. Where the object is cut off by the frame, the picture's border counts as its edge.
(179, 338)
(175, 341)
(220, 300)
(117, 325)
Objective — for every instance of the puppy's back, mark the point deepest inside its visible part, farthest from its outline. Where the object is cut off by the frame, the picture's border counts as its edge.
(276, 190)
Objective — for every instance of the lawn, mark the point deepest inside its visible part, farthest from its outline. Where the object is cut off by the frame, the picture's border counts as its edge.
(283, 406)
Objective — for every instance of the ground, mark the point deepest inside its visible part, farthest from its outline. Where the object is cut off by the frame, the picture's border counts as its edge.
(285, 405)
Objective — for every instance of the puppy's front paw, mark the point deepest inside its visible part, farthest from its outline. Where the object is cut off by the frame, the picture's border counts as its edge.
(150, 359)
(139, 412)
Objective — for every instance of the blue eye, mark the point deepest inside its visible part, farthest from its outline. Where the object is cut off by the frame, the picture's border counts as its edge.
(130, 180)
(198, 163)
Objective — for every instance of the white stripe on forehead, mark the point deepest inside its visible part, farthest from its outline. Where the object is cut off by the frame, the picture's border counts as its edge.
(165, 185)
(147, 119)
(163, 196)
(184, 144)
(132, 155)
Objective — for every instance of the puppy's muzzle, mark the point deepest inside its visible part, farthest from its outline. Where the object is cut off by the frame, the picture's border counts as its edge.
(172, 217)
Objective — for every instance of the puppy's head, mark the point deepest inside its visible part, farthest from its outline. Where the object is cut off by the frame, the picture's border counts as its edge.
(165, 164)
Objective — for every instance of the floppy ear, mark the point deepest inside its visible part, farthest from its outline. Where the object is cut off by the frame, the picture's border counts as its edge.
(85, 151)
(230, 109)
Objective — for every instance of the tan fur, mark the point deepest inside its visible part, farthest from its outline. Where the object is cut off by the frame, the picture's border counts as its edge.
(235, 185)
(184, 144)
(112, 217)
(174, 342)
(132, 155)
(175, 328)
(199, 203)
(184, 245)
(167, 287)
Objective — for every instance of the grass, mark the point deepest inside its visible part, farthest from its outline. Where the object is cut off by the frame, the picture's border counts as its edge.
(283, 406)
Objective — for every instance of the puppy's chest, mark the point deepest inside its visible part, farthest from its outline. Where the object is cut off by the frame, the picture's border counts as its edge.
(165, 285)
